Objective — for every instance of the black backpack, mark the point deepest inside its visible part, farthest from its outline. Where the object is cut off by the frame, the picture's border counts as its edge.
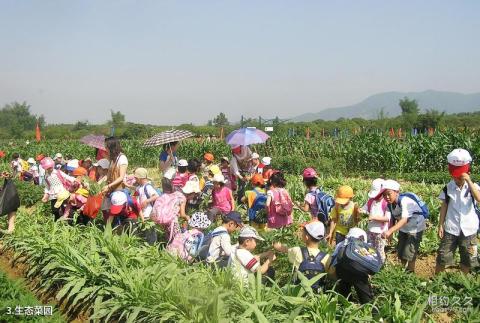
(312, 266)
(9, 199)
(358, 257)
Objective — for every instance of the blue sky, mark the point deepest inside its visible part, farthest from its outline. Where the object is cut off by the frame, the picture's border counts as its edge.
(171, 62)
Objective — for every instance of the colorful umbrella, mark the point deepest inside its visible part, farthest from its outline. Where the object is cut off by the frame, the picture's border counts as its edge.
(246, 136)
(167, 137)
(95, 141)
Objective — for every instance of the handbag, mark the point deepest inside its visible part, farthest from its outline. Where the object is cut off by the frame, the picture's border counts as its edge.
(9, 199)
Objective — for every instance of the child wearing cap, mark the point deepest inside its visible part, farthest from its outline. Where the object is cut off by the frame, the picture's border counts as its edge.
(102, 170)
(56, 182)
(279, 203)
(378, 218)
(347, 277)
(256, 165)
(244, 262)
(219, 245)
(308, 260)
(208, 161)
(267, 168)
(124, 210)
(222, 198)
(410, 223)
(145, 195)
(317, 202)
(33, 170)
(344, 215)
(254, 198)
(459, 222)
(181, 177)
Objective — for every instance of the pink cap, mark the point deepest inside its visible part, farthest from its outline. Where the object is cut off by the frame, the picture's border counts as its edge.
(47, 163)
(309, 173)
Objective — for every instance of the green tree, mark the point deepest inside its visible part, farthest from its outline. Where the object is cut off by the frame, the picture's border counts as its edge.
(410, 111)
(118, 118)
(431, 119)
(16, 119)
(220, 120)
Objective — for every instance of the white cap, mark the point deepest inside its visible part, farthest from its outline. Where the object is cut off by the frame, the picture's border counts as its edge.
(118, 198)
(191, 187)
(316, 229)
(219, 178)
(390, 184)
(103, 163)
(266, 160)
(377, 187)
(31, 161)
(249, 232)
(255, 156)
(58, 155)
(459, 157)
(170, 173)
(357, 233)
(73, 163)
(182, 163)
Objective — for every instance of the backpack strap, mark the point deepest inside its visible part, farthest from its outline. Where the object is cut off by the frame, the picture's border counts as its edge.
(305, 253)
(319, 257)
(445, 191)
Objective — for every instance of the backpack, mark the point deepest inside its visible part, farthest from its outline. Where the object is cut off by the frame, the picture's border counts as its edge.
(423, 206)
(186, 245)
(259, 204)
(9, 199)
(282, 203)
(148, 195)
(476, 207)
(204, 251)
(312, 266)
(358, 257)
(164, 212)
(325, 203)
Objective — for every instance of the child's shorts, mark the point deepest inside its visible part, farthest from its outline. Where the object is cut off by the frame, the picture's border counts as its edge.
(408, 245)
(467, 247)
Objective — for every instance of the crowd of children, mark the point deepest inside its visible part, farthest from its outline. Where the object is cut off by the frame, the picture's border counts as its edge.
(212, 191)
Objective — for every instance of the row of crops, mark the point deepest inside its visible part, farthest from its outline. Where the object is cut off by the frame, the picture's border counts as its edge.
(111, 277)
(366, 152)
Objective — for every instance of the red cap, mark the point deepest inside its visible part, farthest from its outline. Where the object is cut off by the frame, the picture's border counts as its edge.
(40, 157)
(208, 156)
(457, 171)
(80, 171)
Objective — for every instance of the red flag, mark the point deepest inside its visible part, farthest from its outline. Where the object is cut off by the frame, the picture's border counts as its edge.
(37, 133)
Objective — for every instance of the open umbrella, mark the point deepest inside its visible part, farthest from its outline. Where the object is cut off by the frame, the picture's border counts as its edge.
(246, 136)
(95, 141)
(166, 137)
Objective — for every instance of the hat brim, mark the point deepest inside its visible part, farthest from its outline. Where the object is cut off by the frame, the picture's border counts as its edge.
(342, 201)
(116, 209)
(59, 203)
(374, 193)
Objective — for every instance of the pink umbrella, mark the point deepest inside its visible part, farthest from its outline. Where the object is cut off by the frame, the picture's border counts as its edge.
(95, 141)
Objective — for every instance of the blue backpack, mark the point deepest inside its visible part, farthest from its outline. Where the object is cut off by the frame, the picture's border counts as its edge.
(356, 257)
(259, 204)
(423, 206)
(312, 266)
(325, 203)
(204, 250)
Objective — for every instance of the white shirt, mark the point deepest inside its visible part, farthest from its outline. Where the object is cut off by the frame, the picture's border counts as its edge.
(221, 245)
(54, 184)
(377, 210)
(461, 215)
(409, 209)
(141, 196)
(122, 160)
(243, 264)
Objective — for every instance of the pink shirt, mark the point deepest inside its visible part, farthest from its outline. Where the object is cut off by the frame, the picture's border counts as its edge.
(311, 200)
(222, 199)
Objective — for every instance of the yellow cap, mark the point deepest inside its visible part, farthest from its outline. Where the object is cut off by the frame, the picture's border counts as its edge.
(344, 194)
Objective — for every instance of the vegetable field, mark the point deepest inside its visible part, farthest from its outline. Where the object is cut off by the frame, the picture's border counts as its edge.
(92, 272)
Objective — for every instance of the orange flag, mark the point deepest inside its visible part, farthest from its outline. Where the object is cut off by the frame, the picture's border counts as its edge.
(37, 133)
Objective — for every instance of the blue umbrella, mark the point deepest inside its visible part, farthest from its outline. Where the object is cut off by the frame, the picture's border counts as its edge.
(246, 136)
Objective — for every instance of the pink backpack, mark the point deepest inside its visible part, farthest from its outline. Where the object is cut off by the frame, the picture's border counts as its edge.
(282, 203)
(166, 209)
(186, 245)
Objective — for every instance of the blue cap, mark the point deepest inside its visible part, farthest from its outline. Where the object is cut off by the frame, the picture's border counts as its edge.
(235, 217)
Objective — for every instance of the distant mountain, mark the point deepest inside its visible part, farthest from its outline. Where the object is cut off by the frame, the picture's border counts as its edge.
(450, 102)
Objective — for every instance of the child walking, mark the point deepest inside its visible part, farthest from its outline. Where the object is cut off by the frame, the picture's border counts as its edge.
(317, 202)
(256, 200)
(308, 259)
(378, 219)
(344, 215)
(279, 204)
(458, 224)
